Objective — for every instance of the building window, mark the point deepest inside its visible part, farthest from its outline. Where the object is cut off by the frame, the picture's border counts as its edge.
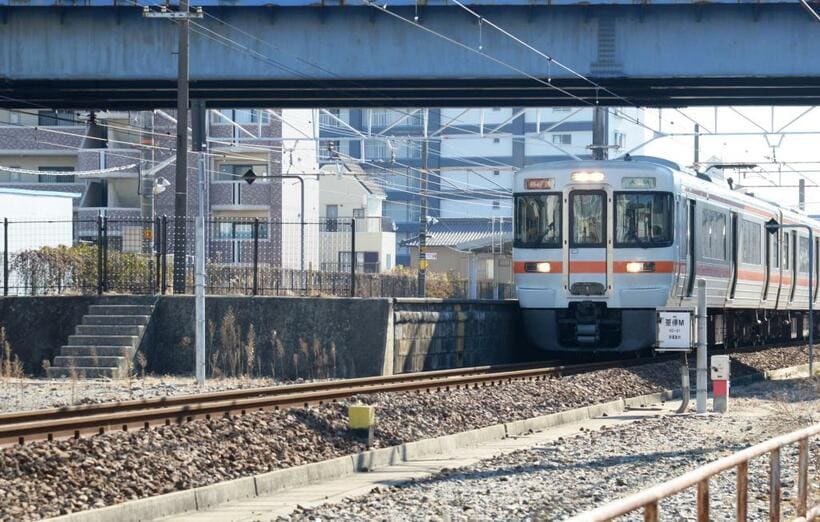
(241, 116)
(562, 139)
(56, 118)
(496, 140)
(376, 150)
(561, 109)
(54, 178)
(496, 172)
(16, 177)
(329, 150)
(496, 109)
(239, 230)
(326, 118)
(496, 205)
(231, 172)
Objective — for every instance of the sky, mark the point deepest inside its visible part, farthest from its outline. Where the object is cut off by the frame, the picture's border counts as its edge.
(784, 145)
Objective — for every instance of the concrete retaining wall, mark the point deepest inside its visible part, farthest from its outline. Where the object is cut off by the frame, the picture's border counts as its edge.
(294, 336)
(432, 334)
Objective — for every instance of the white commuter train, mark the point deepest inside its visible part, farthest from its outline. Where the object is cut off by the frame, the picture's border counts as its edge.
(599, 245)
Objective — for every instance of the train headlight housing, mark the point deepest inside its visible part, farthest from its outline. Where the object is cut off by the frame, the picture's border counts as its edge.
(538, 268)
(586, 176)
(638, 267)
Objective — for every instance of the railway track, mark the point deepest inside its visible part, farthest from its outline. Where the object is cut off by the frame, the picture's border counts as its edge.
(78, 421)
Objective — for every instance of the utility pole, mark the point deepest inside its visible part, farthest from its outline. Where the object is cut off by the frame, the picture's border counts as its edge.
(183, 19)
(422, 291)
(599, 133)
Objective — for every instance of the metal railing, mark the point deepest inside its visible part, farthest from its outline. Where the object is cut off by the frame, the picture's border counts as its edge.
(649, 499)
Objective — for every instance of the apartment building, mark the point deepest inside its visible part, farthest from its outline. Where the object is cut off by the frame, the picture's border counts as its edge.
(134, 160)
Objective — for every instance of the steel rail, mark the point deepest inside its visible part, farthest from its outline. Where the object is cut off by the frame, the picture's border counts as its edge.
(241, 393)
(188, 408)
(648, 499)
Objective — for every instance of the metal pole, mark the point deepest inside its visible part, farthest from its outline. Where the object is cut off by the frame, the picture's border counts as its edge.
(702, 359)
(181, 178)
(422, 277)
(811, 301)
(5, 256)
(353, 257)
(684, 381)
(99, 255)
(599, 133)
(199, 267)
(255, 289)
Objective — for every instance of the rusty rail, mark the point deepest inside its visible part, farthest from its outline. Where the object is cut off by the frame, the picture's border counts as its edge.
(74, 422)
(649, 499)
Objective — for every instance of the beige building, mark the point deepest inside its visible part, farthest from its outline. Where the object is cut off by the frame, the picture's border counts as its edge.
(347, 192)
(477, 250)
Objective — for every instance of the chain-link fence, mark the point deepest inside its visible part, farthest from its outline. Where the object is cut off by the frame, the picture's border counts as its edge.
(331, 257)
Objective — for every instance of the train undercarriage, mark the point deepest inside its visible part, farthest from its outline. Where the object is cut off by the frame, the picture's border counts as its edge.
(592, 327)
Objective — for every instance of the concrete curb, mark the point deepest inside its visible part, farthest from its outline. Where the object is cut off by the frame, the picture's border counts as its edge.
(280, 480)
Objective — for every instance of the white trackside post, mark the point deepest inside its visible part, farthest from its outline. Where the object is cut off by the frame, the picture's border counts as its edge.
(199, 268)
(700, 406)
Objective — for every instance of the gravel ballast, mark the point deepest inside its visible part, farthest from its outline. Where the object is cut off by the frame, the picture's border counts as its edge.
(47, 479)
(557, 480)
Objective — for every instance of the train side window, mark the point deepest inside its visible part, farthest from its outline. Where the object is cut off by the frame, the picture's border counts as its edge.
(774, 249)
(803, 255)
(786, 241)
(713, 234)
(750, 235)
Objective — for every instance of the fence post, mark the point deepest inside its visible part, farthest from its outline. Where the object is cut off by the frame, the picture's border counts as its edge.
(5, 256)
(352, 257)
(105, 253)
(256, 256)
(164, 248)
(157, 242)
(99, 255)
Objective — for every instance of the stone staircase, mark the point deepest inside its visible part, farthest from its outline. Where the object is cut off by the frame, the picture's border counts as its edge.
(104, 343)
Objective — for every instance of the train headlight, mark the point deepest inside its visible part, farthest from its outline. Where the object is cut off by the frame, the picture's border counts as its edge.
(637, 267)
(540, 268)
(586, 176)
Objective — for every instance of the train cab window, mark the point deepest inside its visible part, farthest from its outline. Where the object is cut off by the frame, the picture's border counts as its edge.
(538, 221)
(587, 220)
(713, 234)
(643, 219)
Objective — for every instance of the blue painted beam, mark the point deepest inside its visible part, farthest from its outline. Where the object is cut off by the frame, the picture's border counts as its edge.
(650, 55)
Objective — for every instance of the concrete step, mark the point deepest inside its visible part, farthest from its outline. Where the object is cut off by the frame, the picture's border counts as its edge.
(120, 310)
(103, 340)
(94, 372)
(85, 351)
(104, 320)
(100, 361)
(112, 329)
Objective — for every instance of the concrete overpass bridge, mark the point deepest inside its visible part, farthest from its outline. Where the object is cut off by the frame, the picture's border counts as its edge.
(300, 53)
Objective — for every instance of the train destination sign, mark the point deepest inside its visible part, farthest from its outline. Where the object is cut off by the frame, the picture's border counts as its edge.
(674, 331)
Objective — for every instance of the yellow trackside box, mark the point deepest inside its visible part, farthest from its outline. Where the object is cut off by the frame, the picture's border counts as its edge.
(361, 416)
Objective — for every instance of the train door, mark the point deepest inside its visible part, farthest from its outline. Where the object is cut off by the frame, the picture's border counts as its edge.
(767, 263)
(816, 268)
(690, 253)
(588, 235)
(791, 256)
(682, 239)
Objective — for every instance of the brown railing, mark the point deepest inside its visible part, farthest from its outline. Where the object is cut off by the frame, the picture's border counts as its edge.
(648, 499)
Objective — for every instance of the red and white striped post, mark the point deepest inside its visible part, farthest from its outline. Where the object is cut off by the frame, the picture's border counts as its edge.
(721, 372)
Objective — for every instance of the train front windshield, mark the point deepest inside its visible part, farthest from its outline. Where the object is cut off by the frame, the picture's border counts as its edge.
(643, 219)
(538, 221)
